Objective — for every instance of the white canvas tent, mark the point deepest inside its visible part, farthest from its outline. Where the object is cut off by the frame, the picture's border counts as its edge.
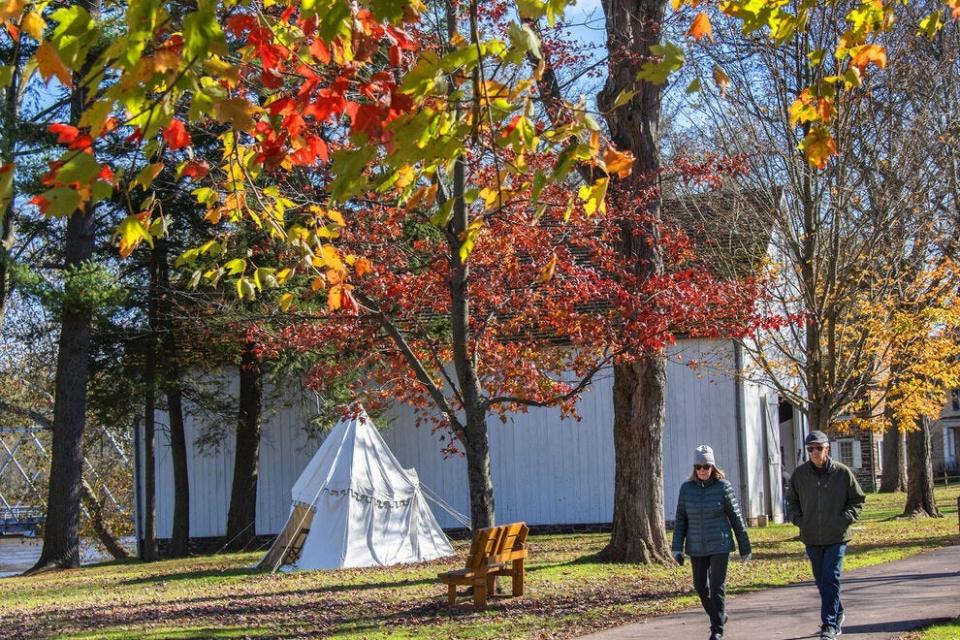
(355, 506)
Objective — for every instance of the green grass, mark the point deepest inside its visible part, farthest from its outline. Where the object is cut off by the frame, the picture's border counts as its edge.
(944, 631)
(568, 592)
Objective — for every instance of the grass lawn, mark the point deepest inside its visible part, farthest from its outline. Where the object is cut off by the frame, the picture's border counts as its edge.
(567, 592)
(945, 631)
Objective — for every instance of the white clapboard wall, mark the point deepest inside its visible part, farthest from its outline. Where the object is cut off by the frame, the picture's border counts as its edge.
(545, 470)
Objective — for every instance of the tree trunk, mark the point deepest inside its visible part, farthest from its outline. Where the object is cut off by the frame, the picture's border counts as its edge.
(633, 26)
(180, 535)
(639, 534)
(480, 479)
(11, 108)
(894, 476)
(99, 523)
(149, 419)
(242, 516)
(476, 436)
(920, 498)
(61, 539)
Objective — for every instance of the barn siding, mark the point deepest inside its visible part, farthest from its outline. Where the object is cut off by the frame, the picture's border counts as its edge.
(545, 470)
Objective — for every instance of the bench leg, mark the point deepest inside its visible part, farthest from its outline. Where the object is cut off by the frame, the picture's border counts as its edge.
(480, 592)
(517, 577)
(452, 594)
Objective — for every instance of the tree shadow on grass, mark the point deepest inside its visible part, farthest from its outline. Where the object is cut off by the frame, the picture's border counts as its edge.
(858, 548)
(251, 572)
(192, 575)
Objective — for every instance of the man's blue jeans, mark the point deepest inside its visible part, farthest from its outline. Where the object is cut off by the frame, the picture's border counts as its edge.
(827, 563)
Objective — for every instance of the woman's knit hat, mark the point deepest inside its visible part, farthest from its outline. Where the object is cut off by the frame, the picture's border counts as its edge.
(703, 455)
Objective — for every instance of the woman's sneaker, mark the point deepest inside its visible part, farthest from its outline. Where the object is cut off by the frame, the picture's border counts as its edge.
(840, 620)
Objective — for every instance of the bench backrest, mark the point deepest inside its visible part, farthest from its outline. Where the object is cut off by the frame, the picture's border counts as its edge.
(494, 544)
(483, 545)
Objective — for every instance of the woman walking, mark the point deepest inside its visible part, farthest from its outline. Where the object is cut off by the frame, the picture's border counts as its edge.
(707, 510)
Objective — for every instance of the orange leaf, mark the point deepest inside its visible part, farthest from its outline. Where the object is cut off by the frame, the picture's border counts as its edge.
(362, 267)
(50, 64)
(320, 51)
(701, 27)
(618, 162)
(546, 274)
(818, 146)
(721, 79)
(65, 133)
(335, 297)
(870, 53)
(11, 9)
(954, 9)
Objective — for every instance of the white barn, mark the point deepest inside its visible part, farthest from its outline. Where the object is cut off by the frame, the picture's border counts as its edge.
(546, 471)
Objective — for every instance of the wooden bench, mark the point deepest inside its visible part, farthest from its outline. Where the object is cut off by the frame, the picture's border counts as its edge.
(495, 551)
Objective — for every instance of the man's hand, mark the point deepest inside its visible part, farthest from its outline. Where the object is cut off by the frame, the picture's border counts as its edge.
(678, 557)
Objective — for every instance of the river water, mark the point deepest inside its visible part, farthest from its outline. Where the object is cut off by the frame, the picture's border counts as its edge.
(19, 554)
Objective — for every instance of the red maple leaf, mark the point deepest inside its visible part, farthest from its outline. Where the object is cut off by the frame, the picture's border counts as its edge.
(175, 135)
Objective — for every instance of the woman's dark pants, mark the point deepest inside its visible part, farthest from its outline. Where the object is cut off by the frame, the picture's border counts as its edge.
(709, 579)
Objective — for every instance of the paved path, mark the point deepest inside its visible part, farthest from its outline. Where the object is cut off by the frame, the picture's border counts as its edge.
(881, 602)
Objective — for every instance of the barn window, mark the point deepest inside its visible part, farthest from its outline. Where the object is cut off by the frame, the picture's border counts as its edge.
(955, 399)
(847, 451)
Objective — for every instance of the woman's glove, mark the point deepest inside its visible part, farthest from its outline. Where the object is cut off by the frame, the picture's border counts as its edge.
(678, 557)
(746, 558)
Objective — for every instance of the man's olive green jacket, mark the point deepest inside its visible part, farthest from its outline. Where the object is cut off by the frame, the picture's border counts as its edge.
(824, 506)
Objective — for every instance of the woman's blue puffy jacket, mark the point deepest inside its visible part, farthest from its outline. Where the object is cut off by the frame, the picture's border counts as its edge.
(706, 512)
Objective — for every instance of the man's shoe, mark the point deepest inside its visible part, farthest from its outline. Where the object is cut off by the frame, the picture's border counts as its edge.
(828, 634)
(716, 635)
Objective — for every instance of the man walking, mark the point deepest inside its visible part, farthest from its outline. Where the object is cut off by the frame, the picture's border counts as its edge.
(825, 500)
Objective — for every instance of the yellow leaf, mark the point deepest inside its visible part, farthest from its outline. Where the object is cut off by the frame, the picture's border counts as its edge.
(546, 274)
(594, 196)
(50, 64)
(34, 25)
(869, 53)
(147, 175)
(336, 217)
(818, 146)
(676, 4)
(405, 176)
(331, 257)
(236, 266)
(619, 163)
(470, 239)
(701, 27)
(285, 301)
(131, 233)
(283, 275)
(623, 98)
(810, 108)
(489, 196)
